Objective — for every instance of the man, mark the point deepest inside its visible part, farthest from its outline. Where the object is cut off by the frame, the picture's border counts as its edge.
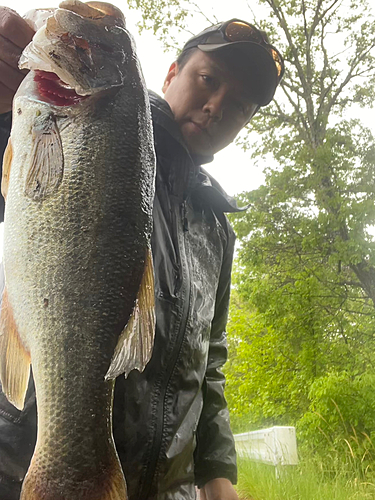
(171, 423)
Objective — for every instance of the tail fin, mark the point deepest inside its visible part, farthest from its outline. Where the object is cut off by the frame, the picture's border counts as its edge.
(107, 486)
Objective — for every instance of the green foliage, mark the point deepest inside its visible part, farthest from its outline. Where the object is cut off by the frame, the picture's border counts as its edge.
(294, 338)
(341, 416)
(261, 384)
(306, 266)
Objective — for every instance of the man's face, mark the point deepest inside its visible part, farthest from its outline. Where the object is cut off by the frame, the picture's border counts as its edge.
(210, 102)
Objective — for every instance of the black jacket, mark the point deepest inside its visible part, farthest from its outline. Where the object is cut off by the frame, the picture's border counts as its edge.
(170, 423)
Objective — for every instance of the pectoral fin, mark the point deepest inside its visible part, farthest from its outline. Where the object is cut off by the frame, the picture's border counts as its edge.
(47, 161)
(135, 344)
(7, 160)
(14, 360)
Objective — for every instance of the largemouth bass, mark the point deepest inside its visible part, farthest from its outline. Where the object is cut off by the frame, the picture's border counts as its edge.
(78, 304)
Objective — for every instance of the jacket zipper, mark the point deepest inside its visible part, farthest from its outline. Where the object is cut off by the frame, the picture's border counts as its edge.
(158, 435)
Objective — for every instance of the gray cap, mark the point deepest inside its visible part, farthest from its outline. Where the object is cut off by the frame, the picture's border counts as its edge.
(264, 64)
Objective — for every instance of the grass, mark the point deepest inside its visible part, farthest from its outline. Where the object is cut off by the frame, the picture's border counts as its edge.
(310, 480)
(341, 468)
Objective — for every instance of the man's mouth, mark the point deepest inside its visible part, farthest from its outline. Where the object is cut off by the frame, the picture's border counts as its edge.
(52, 88)
(201, 126)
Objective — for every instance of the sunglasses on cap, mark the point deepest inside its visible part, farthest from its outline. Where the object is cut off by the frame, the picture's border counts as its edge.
(236, 30)
(240, 31)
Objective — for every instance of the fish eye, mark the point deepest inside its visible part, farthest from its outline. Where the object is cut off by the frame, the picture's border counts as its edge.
(104, 47)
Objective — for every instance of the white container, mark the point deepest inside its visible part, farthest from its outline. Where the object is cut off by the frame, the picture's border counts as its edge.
(275, 446)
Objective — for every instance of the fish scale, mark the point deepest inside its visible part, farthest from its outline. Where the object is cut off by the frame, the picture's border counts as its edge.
(78, 300)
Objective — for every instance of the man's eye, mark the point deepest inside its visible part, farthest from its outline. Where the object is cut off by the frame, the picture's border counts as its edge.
(240, 107)
(207, 79)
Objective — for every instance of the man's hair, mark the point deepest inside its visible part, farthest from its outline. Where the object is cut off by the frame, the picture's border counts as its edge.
(184, 56)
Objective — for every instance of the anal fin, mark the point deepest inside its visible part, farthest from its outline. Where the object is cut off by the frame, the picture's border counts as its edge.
(14, 360)
(134, 347)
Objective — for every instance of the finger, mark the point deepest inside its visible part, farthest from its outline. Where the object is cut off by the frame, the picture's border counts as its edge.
(14, 28)
(9, 53)
(10, 77)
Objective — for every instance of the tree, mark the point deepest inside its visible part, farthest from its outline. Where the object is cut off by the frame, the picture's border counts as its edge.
(325, 163)
(307, 256)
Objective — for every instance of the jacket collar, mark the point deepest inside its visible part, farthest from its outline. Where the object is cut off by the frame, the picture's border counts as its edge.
(220, 200)
(162, 115)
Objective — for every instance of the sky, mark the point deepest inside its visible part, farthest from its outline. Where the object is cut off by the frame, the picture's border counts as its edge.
(232, 167)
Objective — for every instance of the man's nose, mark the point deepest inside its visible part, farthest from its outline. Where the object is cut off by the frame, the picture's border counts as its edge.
(215, 105)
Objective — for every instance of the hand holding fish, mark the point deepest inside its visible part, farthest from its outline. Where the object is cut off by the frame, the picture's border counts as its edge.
(15, 34)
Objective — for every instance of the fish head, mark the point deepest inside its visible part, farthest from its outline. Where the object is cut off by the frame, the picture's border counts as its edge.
(83, 48)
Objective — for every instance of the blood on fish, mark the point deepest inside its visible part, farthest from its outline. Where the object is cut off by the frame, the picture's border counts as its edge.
(50, 86)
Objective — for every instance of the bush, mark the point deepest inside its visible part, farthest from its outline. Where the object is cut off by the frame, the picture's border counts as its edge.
(341, 421)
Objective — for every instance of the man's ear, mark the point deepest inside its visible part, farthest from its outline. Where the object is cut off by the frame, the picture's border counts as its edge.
(173, 70)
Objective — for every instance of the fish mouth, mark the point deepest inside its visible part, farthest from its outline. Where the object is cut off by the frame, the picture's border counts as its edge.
(55, 91)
